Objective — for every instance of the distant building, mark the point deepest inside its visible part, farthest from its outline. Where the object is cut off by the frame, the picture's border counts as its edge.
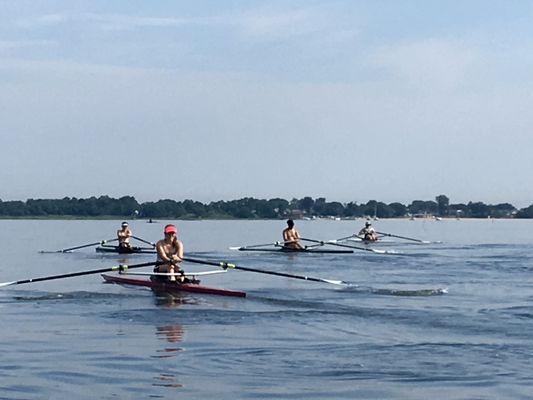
(296, 214)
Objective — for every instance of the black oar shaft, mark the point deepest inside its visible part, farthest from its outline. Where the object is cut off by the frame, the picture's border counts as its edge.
(332, 244)
(260, 245)
(347, 237)
(85, 245)
(227, 265)
(400, 237)
(90, 272)
(339, 245)
(144, 241)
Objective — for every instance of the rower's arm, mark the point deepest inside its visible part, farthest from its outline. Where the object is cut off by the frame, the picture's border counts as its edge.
(179, 245)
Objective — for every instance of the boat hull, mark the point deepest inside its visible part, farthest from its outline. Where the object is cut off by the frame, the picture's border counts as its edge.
(170, 287)
(121, 250)
(284, 250)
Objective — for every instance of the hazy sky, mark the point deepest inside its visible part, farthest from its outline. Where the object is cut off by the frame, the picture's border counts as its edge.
(210, 100)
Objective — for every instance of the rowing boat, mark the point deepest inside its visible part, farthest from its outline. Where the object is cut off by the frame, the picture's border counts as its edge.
(370, 242)
(122, 250)
(288, 250)
(169, 286)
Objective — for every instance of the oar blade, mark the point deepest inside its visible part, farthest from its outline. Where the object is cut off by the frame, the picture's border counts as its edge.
(335, 282)
(377, 251)
(8, 283)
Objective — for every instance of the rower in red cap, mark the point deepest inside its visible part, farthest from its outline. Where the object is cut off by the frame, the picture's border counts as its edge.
(170, 251)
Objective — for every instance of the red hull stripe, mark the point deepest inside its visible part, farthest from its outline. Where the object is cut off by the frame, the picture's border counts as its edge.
(170, 287)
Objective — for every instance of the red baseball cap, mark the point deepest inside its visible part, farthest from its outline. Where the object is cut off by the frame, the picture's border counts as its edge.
(171, 229)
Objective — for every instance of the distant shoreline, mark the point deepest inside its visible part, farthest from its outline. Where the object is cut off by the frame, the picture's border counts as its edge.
(143, 220)
(105, 207)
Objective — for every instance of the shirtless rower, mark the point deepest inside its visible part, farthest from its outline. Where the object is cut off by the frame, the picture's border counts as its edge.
(123, 236)
(170, 251)
(368, 233)
(291, 237)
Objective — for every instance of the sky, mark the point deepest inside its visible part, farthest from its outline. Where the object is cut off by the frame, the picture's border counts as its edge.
(219, 100)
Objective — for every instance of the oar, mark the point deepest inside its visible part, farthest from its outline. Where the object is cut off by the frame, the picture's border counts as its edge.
(226, 265)
(253, 245)
(144, 241)
(356, 236)
(80, 247)
(347, 246)
(81, 273)
(346, 237)
(403, 237)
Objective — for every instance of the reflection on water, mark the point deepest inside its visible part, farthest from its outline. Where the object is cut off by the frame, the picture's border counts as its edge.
(166, 380)
(173, 333)
(169, 300)
(170, 334)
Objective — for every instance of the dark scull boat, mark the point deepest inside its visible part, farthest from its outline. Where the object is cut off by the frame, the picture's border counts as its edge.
(287, 250)
(169, 286)
(121, 250)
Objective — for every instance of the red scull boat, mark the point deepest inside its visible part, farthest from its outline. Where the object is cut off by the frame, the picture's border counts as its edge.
(169, 287)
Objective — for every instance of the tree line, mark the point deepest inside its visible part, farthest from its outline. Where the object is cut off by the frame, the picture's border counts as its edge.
(251, 208)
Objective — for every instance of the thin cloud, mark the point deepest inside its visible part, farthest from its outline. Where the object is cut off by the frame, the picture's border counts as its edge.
(18, 44)
(41, 21)
(434, 63)
(127, 22)
(103, 21)
(264, 23)
(277, 24)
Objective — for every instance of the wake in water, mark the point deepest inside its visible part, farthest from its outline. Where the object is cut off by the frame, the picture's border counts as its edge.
(65, 296)
(397, 292)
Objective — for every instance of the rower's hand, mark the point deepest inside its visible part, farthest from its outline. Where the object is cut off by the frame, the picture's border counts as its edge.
(174, 259)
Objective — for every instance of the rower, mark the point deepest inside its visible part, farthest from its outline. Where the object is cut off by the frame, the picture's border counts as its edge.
(170, 251)
(123, 235)
(291, 237)
(368, 233)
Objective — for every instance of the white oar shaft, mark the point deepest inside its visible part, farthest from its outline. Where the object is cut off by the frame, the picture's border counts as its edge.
(201, 273)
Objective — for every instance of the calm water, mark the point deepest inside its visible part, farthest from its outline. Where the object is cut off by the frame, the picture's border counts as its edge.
(390, 337)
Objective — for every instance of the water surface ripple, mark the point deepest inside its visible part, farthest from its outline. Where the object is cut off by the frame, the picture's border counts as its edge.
(441, 320)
